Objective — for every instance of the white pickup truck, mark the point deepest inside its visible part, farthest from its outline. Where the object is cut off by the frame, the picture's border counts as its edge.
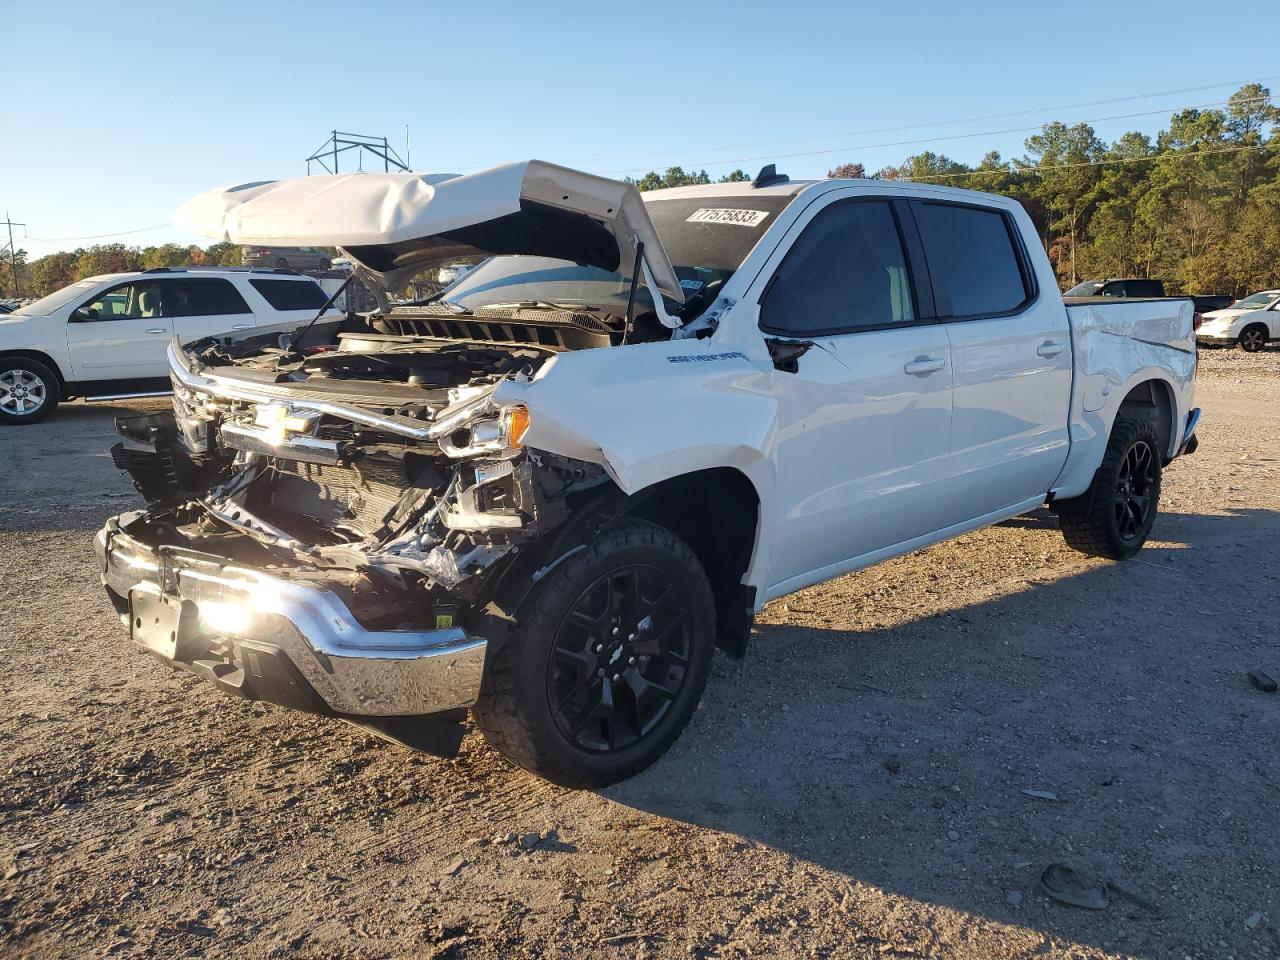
(546, 494)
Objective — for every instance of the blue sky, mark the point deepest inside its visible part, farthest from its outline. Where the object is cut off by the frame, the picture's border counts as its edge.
(114, 113)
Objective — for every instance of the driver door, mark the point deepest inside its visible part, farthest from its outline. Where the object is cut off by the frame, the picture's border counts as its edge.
(864, 413)
(120, 334)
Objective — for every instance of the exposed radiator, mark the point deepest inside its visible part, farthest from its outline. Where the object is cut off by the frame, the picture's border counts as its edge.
(358, 496)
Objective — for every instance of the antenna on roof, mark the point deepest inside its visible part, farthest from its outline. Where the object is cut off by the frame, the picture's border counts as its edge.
(768, 176)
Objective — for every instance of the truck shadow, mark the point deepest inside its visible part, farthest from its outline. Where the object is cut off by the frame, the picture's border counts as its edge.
(897, 757)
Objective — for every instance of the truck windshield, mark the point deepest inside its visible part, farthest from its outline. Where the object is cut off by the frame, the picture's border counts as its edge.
(706, 239)
(1087, 289)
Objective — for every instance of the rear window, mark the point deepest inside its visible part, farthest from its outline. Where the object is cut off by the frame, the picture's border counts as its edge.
(206, 297)
(291, 294)
(1144, 288)
(972, 259)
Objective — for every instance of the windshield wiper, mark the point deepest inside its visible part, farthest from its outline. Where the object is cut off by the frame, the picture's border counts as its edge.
(544, 304)
(447, 304)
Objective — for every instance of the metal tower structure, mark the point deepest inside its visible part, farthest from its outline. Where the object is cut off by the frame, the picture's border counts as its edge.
(338, 143)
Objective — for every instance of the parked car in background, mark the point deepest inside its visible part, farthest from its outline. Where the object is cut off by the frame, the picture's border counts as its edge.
(452, 272)
(293, 258)
(1252, 323)
(548, 495)
(1118, 287)
(1207, 303)
(105, 337)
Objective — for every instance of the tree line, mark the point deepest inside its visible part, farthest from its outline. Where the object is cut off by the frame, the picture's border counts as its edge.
(1197, 205)
(49, 273)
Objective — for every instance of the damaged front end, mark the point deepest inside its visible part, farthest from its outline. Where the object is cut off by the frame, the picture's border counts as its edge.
(325, 528)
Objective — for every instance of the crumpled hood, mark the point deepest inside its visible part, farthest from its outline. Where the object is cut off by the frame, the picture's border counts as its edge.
(394, 224)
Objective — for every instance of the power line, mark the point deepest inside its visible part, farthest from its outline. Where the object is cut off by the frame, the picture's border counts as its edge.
(954, 136)
(934, 123)
(97, 236)
(1184, 154)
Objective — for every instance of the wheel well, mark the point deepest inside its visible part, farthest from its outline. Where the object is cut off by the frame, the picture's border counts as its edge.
(1264, 327)
(39, 358)
(716, 512)
(1152, 402)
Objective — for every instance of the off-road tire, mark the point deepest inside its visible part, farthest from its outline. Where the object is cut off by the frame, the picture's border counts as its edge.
(1253, 337)
(1089, 522)
(16, 368)
(514, 710)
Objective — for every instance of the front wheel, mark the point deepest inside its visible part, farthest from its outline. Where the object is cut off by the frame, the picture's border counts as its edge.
(28, 391)
(1253, 338)
(1114, 517)
(606, 661)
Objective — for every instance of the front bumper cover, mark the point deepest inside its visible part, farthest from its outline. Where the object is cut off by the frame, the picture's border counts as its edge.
(267, 638)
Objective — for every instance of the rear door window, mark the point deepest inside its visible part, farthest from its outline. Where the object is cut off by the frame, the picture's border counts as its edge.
(1144, 288)
(846, 272)
(202, 297)
(974, 262)
(291, 294)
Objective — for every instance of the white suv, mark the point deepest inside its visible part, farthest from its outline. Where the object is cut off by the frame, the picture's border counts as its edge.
(105, 337)
(1252, 323)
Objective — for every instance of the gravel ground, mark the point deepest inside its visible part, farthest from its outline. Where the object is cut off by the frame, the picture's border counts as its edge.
(854, 787)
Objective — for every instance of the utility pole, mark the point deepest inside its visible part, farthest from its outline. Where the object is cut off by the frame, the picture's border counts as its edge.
(13, 254)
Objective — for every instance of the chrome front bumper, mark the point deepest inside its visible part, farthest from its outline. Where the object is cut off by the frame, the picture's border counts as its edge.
(268, 638)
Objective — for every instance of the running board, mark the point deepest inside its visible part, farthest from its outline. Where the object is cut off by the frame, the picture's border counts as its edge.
(128, 396)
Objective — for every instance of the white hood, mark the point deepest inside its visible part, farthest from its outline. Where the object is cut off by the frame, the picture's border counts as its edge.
(393, 224)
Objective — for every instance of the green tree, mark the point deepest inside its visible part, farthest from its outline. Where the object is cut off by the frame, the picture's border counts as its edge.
(926, 166)
(674, 177)
(848, 171)
(53, 272)
(223, 254)
(1065, 182)
(8, 260)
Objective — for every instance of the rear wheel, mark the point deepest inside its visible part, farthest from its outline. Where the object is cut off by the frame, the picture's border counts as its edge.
(28, 391)
(1115, 516)
(1253, 338)
(606, 662)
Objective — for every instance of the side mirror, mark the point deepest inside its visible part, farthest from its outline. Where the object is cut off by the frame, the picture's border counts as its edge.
(84, 313)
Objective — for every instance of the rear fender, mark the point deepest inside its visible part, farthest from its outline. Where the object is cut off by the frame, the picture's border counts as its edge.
(1117, 348)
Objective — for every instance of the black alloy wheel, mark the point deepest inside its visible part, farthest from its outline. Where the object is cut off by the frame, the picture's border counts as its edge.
(1135, 482)
(1114, 517)
(619, 659)
(602, 663)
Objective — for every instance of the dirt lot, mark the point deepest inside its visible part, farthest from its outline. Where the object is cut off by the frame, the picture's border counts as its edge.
(854, 787)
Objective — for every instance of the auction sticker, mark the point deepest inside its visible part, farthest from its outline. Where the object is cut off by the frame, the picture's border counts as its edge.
(741, 218)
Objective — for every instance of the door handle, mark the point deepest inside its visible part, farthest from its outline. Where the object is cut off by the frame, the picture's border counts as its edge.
(923, 366)
(156, 330)
(1050, 348)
